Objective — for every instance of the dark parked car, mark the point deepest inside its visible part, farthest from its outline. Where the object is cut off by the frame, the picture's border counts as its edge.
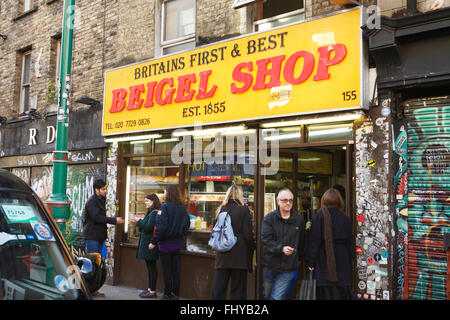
(35, 262)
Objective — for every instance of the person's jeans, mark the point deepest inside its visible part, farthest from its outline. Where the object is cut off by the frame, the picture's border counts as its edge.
(170, 262)
(276, 284)
(93, 246)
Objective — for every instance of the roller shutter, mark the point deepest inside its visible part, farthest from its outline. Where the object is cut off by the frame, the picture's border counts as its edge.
(428, 196)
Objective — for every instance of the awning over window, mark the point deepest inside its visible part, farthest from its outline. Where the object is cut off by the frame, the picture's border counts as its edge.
(242, 3)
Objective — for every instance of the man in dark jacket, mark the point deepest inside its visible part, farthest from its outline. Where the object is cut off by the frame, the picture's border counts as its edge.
(283, 238)
(95, 219)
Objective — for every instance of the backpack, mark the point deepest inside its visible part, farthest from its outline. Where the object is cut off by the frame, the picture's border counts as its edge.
(222, 236)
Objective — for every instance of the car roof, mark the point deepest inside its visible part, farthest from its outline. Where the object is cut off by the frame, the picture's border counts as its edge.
(10, 181)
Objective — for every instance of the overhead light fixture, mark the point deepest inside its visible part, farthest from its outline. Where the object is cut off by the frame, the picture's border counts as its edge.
(283, 136)
(298, 122)
(167, 140)
(209, 132)
(330, 131)
(133, 138)
(140, 141)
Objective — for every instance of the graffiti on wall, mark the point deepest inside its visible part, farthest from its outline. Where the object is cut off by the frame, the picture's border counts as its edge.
(400, 225)
(80, 181)
(428, 197)
(80, 184)
(112, 208)
(373, 218)
(42, 181)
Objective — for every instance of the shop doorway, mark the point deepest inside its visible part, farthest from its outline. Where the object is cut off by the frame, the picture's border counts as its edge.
(308, 171)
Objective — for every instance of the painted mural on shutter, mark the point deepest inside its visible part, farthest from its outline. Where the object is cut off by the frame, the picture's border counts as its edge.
(428, 196)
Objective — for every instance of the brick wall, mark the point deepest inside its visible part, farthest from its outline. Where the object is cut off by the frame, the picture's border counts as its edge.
(34, 30)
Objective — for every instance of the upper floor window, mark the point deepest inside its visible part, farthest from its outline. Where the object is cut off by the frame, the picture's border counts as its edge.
(275, 13)
(25, 5)
(25, 82)
(55, 74)
(177, 26)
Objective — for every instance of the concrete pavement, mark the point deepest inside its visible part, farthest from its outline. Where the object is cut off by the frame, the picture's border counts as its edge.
(123, 293)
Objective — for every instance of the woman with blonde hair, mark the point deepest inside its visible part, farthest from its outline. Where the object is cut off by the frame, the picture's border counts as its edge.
(237, 262)
(331, 249)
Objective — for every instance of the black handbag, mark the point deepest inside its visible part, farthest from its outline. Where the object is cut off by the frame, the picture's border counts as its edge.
(307, 288)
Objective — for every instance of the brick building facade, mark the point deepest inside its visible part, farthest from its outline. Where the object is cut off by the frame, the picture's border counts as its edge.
(112, 34)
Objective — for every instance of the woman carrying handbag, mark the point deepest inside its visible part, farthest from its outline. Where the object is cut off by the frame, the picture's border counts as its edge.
(233, 266)
(331, 249)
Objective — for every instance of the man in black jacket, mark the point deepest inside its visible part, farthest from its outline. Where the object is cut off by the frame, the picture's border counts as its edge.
(283, 238)
(95, 219)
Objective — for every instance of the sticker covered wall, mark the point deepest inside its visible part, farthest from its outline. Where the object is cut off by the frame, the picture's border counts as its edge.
(372, 211)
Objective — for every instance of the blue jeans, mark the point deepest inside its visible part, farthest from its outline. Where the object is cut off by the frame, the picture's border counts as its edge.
(276, 284)
(93, 246)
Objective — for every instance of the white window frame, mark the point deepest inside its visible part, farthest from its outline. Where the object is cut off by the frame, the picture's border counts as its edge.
(58, 61)
(24, 85)
(258, 23)
(27, 5)
(173, 42)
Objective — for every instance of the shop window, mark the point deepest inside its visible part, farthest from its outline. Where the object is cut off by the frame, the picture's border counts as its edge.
(330, 132)
(271, 13)
(206, 186)
(203, 183)
(177, 26)
(145, 175)
(25, 60)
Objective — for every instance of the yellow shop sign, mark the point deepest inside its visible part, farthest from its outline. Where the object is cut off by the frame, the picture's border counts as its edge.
(310, 67)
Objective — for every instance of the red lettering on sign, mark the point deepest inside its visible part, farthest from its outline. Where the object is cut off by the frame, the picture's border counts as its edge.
(273, 73)
(159, 99)
(118, 100)
(325, 62)
(203, 92)
(239, 76)
(308, 67)
(150, 93)
(135, 101)
(184, 92)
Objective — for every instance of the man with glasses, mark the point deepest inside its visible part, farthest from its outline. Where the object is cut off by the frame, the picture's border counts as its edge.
(283, 238)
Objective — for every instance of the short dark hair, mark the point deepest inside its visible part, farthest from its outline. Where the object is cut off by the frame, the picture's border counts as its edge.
(99, 183)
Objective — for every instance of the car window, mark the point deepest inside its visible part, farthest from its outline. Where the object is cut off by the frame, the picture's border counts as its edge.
(32, 265)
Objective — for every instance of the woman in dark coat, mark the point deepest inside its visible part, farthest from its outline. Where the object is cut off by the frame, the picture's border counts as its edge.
(331, 249)
(237, 262)
(146, 227)
(172, 224)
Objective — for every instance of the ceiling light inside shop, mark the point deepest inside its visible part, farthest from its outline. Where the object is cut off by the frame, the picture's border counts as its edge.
(140, 141)
(330, 131)
(209, 132)
(298, 122)
(133, 138)
(167, 140)
(283, 136)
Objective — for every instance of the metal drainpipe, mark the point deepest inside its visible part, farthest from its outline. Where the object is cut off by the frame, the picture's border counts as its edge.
(411, 7)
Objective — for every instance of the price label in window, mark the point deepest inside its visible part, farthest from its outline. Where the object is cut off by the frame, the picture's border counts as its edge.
(19, 214)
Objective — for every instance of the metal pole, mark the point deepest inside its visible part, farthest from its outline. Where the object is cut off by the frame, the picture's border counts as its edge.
(58, 203)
